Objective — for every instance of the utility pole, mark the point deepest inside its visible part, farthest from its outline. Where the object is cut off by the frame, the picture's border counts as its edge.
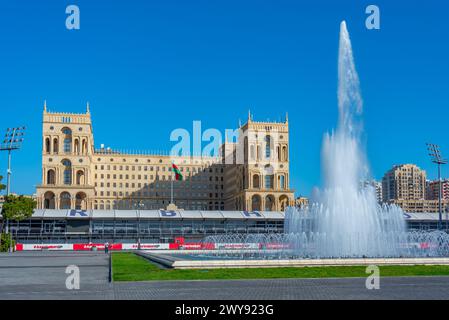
(435, 156)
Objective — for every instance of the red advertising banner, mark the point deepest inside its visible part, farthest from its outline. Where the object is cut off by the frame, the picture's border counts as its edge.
(147, 246)
(89, 246)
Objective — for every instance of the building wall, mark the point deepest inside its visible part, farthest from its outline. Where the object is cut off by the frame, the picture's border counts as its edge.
(67, 151)
(433, 189)
(131, 181)
(422, 206)
(77, 176)
(404, 182)
(262, 181)
(302, 202)
(406, 186)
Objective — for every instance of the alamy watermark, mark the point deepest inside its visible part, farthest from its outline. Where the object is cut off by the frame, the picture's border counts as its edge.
(72, 22)
(267, 146)
(372, 22)
(72, 281)
(373, 280)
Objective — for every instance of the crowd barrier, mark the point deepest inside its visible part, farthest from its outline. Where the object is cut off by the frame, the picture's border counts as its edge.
(166, 246)
(143, 246)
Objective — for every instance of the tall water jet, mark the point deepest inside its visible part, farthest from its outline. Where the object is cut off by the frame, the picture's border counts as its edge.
(347, 221)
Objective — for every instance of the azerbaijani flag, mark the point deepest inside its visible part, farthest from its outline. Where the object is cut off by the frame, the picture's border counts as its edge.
(178, 174)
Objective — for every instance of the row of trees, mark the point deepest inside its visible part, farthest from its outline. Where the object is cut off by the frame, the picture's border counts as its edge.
(14, 208)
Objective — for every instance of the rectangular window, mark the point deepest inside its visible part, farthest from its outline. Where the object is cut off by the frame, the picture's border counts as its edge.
(269, 182)
(67, 177)
(67, 145)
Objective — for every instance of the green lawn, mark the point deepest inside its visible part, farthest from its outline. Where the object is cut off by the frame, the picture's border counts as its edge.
(130, 267)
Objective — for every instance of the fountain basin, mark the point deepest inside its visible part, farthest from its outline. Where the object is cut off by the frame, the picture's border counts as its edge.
(192, 260)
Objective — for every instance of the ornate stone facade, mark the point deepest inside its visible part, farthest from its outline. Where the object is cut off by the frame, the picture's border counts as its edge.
(77, 176)
(261, 182)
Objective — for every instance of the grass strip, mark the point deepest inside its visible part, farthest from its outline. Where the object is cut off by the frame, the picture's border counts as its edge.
(130, 267)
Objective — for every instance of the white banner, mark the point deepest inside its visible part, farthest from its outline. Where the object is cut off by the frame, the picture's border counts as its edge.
(53, 246)
(146, 246)
(236, 246)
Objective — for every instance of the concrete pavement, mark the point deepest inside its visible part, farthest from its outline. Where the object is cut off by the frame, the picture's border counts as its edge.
(41, 275)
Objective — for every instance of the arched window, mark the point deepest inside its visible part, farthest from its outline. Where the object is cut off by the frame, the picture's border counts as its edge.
(255, 203)
(67, 140)
(80, 203)
(283, 202)
(67, 172)
(269, 203)
(282, 182)
(84, 146)
(51, 177)
(65, 201)
(256, 181)
(268, 147)
(55, 145)
(47, 145)
(77, 146)
(285, 153)
(49, 200)
(80, 180)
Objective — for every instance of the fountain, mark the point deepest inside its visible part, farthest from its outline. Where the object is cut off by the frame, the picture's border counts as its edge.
(346, 221)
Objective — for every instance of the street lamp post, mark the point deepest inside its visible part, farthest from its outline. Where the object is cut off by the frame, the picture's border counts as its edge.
(12, 141)
(435, 155)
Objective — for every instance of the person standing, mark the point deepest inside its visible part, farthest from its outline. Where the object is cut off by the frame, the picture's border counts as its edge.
(106, 247)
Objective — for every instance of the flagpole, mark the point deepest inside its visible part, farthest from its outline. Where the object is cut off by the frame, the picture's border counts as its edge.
(172, 184)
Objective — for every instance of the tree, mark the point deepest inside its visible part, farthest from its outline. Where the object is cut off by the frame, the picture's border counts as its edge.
(18, 208)
(6, 242)
(2, 186)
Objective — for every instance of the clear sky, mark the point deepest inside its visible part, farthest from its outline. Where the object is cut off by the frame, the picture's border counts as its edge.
(148, 67)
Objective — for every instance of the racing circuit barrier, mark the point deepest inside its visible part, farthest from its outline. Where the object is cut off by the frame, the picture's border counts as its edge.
(192, 246)
(135, 246)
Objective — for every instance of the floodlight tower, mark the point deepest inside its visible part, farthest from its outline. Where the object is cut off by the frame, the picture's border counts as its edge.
(12, 141)
(435, 157)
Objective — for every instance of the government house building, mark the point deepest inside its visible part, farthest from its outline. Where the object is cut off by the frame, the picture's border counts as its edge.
(76, 175)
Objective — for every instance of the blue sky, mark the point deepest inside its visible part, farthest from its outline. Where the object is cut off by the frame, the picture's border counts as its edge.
(148, 67)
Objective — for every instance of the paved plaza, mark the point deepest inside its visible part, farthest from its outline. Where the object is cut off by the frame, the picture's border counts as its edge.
(41, 275)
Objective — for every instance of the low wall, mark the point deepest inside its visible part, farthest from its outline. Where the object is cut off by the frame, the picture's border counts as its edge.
(91, 246)
(180, 263)
(143, 246)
